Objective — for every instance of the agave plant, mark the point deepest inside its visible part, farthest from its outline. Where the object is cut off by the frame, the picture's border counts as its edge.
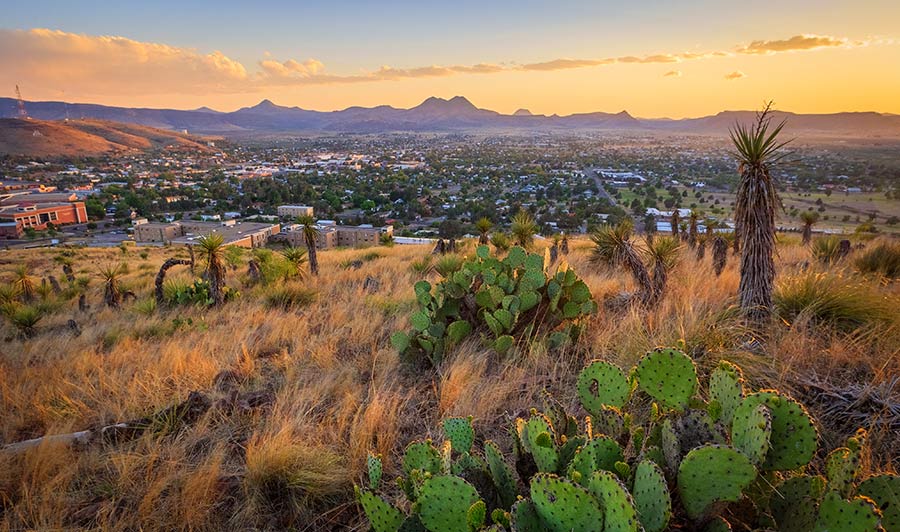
(112, 277)
(310, 235)
(523, 229)
(757, 149)
(809, 218)
(213, 248)
(613, 246)
(484, 226)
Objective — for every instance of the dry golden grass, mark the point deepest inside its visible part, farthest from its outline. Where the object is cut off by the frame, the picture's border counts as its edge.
(339, 389)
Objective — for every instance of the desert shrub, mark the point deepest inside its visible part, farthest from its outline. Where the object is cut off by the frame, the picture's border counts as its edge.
(830, 299)
(196, 293)
(883, 260)
(289, 296)
(827, 249)
(448, 264)
(501, 301)
(728, 453)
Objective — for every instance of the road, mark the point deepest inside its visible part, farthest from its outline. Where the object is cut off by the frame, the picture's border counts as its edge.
(590, 172)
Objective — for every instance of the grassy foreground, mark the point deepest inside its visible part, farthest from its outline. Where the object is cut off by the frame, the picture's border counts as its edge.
(300, 393)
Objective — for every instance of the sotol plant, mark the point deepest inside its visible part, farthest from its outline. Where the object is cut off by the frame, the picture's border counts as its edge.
(501, 301)
(737, 456)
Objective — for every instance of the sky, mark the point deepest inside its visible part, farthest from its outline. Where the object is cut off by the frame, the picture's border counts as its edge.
(653, 58)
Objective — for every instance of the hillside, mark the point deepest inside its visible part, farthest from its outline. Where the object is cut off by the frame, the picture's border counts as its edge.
(291, 397)
(85, 137)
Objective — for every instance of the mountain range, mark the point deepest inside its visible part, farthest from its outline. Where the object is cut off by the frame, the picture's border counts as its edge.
(434, 114)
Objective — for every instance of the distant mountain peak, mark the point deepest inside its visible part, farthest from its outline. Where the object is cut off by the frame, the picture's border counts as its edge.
(265, 104)
(523, 112)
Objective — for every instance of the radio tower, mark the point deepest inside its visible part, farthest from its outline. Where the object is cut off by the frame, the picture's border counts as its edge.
(23, 114)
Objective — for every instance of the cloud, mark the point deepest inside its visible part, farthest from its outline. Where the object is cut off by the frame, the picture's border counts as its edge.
(672, 74)
(796, 43)
(737, 74)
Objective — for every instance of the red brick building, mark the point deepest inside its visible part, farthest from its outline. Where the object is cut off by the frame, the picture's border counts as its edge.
(38, 215)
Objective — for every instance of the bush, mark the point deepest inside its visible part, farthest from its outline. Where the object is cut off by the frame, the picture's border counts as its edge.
(830, 299)
(290, 296)
(883, 259)
(448, 264)
(741, 456)
(196, 293)
(827, 249)
(502, 301)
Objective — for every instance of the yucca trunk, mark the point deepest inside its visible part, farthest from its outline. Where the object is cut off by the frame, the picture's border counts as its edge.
(111, 294)
(311, 252)
(483, 239)
(190, 249)
(756, 210)
(216, 272)
(564, 245)
(692, 232)
(701, 248)
(161, 276)
(807, 234)
(720, 254)
(674, 222)
(645, 286)
(660, 280)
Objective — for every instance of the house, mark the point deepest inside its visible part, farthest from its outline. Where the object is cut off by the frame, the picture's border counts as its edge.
(294, 211)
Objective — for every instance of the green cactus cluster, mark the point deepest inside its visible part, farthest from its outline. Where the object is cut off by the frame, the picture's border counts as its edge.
(679, 457)
(502, 301)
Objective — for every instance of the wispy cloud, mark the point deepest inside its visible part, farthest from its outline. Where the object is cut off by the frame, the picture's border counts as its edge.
(86, 64)
(737, 74)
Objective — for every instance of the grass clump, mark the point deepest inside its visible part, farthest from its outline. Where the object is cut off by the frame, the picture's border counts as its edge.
(827, 249)
(883, 260)
(290, 296)
(830, 299)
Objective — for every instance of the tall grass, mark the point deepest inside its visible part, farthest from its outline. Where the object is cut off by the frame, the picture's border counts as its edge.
(883, 260)
(839, 301)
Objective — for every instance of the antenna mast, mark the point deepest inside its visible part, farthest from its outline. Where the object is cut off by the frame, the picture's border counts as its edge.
(22, 113)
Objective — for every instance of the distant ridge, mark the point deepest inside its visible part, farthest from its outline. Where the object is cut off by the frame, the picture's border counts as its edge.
(434, 114)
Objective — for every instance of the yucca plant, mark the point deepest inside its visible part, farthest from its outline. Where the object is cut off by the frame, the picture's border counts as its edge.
(692, 228)
(448, 264)
(757, 149)
(662, 254)
(501, 241)
(9, 293)
(484, 226)
(809, 218)
(112, 290)
(423, 266)
(25, 283)
(523, 229)
(720, 254)
(827, 249)
(675, 220)
(310, 235)
(25, 318)
(613, 246)
(296, 257)
(213, 248)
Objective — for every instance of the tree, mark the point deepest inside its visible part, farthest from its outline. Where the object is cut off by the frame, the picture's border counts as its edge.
(523, 229)
(212, 246)
(808, 218)
(758, 150)
(613, 246)
(484, 226)
(310, 236)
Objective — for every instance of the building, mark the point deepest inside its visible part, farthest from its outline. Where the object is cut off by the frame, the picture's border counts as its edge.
(11, 230)
(235, 233)
(293, 211)
(38, 215)
(331, 235)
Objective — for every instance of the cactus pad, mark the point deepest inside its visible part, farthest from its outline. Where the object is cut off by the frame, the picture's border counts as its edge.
(795, 501)
(460, 433)
(476, 515)
(794, 438)
(837, 513)
(651, 496)
(610, 421)
(668, 376)
(599, 454)
(444, 503)
(726, 387)
(717, 524)
(712, 473)
(671, 446)
(618, 506)
(843, 464)
(538, 440)
(382, 516)
(602, 384)
(501, 474)
(525, 517)
(564, 506)
(421, 455)
(885, 491)
(751, 435)
(374, 467)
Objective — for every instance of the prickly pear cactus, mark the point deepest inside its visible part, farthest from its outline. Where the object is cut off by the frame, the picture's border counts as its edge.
(619, 514)
(751, 435)
(668, 376)
(564, 506)
(602, 384)
(794, 438)
(717, 524)
(525, 517)
(710, 474)
(538, 439)
(843, 464)
(422, 456)
(600, 453)
(837, 513)
(460, 433)
(374, 468)
(476, 515)
(795, 503)
(651, 496)
(671, 445)
(444, 503)
(885, 491)
(382, 516)
(501, 474)
(726, 388)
